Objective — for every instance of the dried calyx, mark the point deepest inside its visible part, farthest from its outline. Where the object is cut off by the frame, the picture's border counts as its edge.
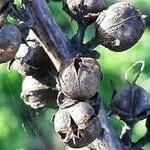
(79, 77)
(77, 125)
(119, 27)
(10, 40)
(82, 10)
(39, 92)
(32, 60)
(132, 103)
(40, 86)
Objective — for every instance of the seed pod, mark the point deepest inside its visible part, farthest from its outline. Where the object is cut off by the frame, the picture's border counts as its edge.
(79, 78)
(77, 125)
(83, 8)
(119, 27)
(131, 104)
(65, 102)
(32, 61)
(10, 40)
(39, 92)
(23, 67)
(89, 6)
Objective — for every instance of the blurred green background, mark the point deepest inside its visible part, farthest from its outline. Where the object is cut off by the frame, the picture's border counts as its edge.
(22, 128)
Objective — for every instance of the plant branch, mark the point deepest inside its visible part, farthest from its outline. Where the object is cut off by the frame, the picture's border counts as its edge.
(77, 40)
(58, 48)
(93, 43)
(108, 137)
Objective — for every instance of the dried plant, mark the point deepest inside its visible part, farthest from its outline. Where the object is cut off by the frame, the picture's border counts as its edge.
(63, 73)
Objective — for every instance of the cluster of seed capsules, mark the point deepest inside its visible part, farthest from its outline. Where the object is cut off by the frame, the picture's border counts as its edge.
(76, 121)
(118, 27)
(29, 59)
(40, 76)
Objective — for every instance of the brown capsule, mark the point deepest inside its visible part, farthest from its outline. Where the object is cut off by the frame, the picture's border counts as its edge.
(23, 68)
(89, 6)
(119, 27)
(77, 125)
(65, 102)
(32, 61)
(131, 104)
(79, 77)
(82, 8)
(39, 92)
(10, 40)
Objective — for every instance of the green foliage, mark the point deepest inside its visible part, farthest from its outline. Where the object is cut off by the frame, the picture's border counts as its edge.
(18, 3)
(12, 20)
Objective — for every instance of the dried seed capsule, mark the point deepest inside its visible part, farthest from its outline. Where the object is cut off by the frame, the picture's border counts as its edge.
(77, 125)
(79, 78)
(131, 104)
(10, 40)
(84, 7)
(89, 6)
(32, 61)
(65, 102)
(119, 27)
(39, 92)
(24, 67)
